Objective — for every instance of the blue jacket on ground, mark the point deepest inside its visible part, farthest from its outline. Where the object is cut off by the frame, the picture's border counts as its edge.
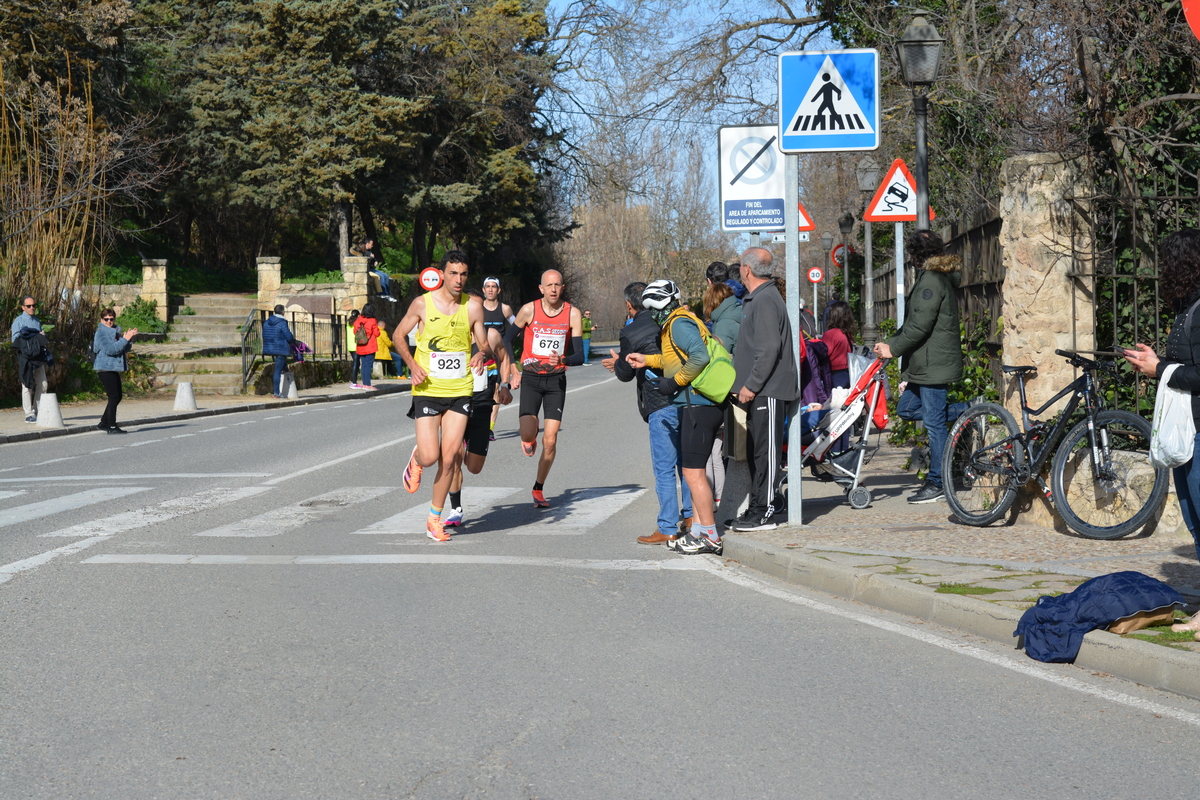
(1054, 628)
(110, 348)
(277, 338)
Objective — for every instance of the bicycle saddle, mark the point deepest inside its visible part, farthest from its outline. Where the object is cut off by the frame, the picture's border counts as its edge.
(1018, 370)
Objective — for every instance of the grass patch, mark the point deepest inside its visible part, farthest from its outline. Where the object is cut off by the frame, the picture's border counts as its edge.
(143, 315)
(966, 588)
(1165, 636)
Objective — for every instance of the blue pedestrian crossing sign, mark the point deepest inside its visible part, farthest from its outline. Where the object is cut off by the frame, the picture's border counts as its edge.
(829, 101)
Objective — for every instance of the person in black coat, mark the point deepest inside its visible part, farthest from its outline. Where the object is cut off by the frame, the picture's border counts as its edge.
(1179, 286)
(641, 336)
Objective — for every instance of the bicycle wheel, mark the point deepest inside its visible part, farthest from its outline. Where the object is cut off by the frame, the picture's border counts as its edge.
(1126, 490)
(981, 463)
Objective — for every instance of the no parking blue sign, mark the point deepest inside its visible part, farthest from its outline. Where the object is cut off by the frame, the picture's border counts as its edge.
(829, 101)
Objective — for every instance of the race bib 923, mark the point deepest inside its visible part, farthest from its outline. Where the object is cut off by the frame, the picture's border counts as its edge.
(447, 365)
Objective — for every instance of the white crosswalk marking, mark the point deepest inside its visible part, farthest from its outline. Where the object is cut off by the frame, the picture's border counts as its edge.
(478, 500)
(682, 564)
(578, 512)
(6, 495)
(104, 529)
(163, 512)
(25, 513)
(280, 520)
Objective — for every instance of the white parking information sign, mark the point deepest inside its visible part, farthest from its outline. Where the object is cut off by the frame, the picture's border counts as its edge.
(751, 170)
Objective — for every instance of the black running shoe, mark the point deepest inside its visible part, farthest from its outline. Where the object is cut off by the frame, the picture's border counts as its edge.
(753, 522)
(927, 494)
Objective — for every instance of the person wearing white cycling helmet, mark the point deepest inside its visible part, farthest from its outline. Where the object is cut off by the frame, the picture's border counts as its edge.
(684, 356)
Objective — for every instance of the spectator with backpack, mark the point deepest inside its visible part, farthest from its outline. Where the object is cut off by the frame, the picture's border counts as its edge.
(696, 375)
(366, 344)
(277, 342)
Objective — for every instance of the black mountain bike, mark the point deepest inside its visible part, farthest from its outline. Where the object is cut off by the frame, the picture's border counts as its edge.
(1101, 479)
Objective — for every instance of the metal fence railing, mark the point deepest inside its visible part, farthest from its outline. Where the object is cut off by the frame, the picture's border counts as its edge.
(324, 334)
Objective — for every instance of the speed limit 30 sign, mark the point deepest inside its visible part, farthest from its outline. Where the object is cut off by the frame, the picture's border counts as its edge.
(815, 275)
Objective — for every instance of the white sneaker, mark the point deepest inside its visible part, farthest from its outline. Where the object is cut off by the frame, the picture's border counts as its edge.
(453, 518)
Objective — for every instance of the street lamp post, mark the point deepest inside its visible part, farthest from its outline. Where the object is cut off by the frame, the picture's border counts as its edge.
(920, 54)
(845, 226)
(867, 173)
(827, 243)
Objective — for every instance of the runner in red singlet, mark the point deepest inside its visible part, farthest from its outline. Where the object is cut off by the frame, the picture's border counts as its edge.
(549, 325)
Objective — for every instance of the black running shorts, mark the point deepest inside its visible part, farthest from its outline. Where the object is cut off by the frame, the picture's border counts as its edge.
(698, 426)
(545, 393)
(424, 406)
(479, 425)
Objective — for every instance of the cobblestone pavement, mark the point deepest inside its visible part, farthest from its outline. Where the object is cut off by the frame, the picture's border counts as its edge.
(925, 544)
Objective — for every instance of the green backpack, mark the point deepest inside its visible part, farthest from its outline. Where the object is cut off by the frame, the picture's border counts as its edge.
(716, 379)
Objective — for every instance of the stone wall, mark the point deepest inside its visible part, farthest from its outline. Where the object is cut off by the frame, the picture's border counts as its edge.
(358, 287)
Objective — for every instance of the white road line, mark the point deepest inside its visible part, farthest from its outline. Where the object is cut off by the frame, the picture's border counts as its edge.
(736, 576)
(110, 449)
(141, 477)
(148, 441)
(210, 430)
(578, 513)
(478, 500)
(626, 565)
(247, 422)
(53, 461)
(590, 385)
(277, 416)
(163, 512)
(5, 495)
(104, 529)
(25, 513)
(180, 436)
(336, 461)
(295, 413)
(351, 456)
(281, 520)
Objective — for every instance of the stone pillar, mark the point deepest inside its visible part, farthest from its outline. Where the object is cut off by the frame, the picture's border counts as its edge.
(154, 284)
(354, 273)
(1044, 307)
(269, 280)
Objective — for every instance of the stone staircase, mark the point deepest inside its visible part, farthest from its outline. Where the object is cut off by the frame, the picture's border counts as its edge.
(205, 347)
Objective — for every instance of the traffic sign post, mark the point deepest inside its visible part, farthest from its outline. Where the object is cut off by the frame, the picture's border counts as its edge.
(751, 178)
(829, 101)
(792, 209)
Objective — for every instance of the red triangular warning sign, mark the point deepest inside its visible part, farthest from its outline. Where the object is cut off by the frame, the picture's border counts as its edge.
(896, 198)
(806, 223)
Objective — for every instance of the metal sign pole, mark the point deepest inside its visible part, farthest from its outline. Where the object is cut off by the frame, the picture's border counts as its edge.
(791, 221)
(899, 274)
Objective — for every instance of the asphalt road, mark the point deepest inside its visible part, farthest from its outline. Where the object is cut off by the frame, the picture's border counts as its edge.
(245, 606)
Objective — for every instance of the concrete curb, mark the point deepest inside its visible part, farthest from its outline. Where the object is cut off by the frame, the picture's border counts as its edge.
(12, 438)
(1142, 662)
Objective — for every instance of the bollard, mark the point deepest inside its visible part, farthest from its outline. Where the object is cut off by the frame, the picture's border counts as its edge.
(185, 398)
(291, 393)
(48, 414)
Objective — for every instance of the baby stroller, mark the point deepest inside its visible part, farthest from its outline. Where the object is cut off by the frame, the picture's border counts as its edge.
(864, 403)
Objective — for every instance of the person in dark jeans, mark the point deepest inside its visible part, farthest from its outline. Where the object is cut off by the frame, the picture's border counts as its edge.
(111, 347)
(930, 347)
(277, 341)
(662, 416)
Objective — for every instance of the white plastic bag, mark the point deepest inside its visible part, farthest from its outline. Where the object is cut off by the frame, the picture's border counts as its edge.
(1174, 431)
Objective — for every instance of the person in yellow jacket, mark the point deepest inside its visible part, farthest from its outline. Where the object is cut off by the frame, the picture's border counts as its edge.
(386, 352)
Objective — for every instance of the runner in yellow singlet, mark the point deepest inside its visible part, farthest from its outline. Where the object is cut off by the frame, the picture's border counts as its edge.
(447, 322)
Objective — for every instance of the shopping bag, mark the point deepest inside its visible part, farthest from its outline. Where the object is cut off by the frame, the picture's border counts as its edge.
(1174, 430)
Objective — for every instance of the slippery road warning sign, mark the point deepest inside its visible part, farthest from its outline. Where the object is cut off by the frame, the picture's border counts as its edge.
(896, 198)
(829, 101)
(751, 172)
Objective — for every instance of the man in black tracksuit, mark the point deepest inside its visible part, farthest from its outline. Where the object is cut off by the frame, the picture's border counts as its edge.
(766, 385)
(641, 335)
